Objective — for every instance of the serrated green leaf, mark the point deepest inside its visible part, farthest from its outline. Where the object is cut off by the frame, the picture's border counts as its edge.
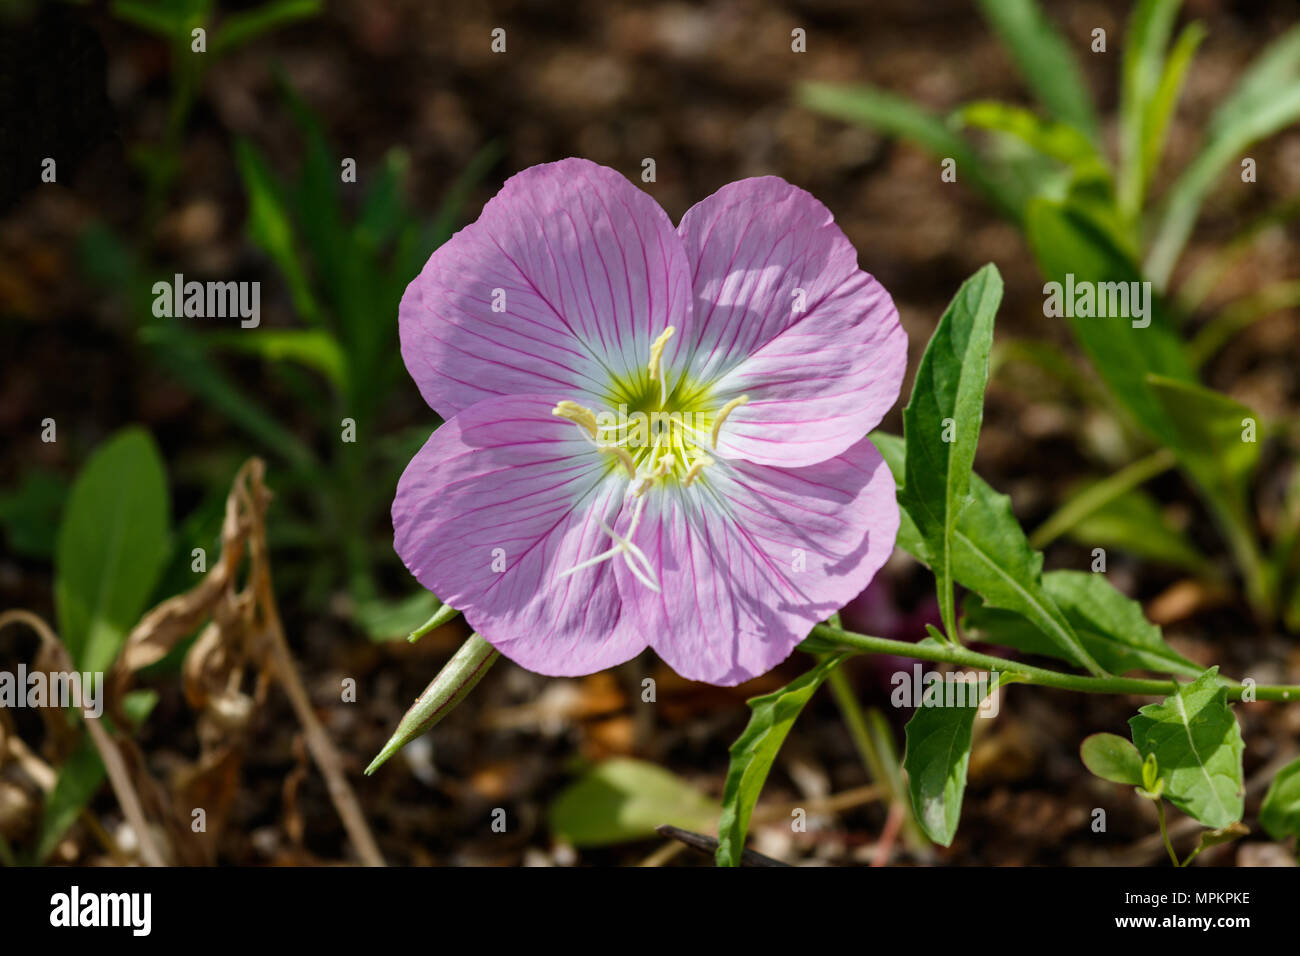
(991, 557)
(754, 752)
(1111, 626)
(948, 402)
(621, 800)
(1279, 814)
(1112, 758)
(111, 546)
(936, 760)
(1194, 737)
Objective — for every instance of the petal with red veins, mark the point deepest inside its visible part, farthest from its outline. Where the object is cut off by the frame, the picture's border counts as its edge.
(751, 557)
(784, 315)
(488, 515)
(585, 271)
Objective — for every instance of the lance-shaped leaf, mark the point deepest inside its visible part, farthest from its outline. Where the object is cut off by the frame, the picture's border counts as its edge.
(754, 752)
(1111, 627)
(991, 557)
(1080, 256)
(1215, 438)
(111, 546)
(1112, 758)
(1265, 100)
(452, 685)
(1134, 522)
(938, 754)
(1045, 60)
(895, 115)
(942, 420)
(1279, 814)
(1196, 742)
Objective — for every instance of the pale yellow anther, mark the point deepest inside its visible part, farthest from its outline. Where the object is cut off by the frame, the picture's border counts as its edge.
(577, 414)
(698, 465)
(727, 409)
(621, 453)
(662, 468)
(657, 351)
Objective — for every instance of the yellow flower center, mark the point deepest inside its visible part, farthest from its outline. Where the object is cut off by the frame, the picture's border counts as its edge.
(658, 433)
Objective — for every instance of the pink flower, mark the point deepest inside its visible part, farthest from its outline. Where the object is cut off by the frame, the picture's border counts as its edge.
(654, 436)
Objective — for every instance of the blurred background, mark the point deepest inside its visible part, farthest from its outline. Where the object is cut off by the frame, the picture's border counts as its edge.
(225, 165)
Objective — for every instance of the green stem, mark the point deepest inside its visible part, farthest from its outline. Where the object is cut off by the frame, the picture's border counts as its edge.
(1164, 832)
(1029, 674)
(877, 764)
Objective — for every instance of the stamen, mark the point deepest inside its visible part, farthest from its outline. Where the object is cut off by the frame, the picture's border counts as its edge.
(622, 455)
(577, 414)
(727, 409)
(701, 462)
(626, 547)
(657, 351)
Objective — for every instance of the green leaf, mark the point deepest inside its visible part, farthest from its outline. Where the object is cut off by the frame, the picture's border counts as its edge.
(1160, 107)
(1057, 141)
(1206, 435)
(271, 228)
(445, 692)
(991, 557)
(754, 752)
(79, 779)
(316, 349)
(111, 547)
(948, 402)
(1265, 101)
(1134, 522)
(1045, 60)
(1071, 249)
(1197, 744)
(392, 620)
(1112, 758)
(241, 28)
(898, 116)
(1279, 814)
(621, 800)
(156, 17)
(1149, 28)
(936, 759)
(30, 512)
(1110, 626)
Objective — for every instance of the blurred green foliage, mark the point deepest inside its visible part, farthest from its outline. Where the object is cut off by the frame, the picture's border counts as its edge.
(1092, 217)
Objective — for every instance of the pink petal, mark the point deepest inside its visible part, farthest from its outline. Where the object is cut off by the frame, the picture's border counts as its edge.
(817, 380)
(508, 475)
(591, 269)
(733, 604)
